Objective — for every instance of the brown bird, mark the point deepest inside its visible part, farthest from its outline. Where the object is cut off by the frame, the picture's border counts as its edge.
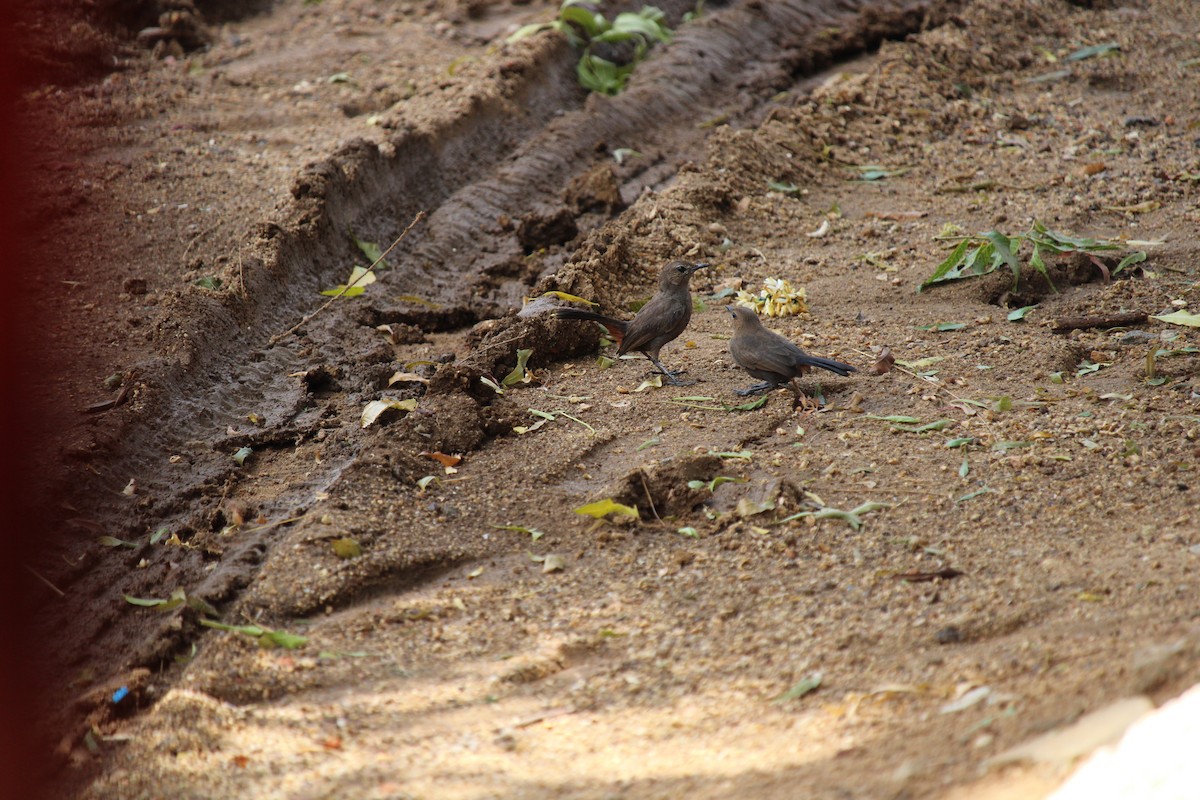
(768, 356)
(659, 321)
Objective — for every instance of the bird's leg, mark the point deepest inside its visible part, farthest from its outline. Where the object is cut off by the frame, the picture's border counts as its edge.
(757, 388)
(671, 377)
(803, 401)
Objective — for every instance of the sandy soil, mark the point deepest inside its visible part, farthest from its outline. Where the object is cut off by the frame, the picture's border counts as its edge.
(1029, 524)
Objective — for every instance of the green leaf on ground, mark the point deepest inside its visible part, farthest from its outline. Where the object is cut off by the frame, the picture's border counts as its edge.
(806, 686)
(208, 282)
(873, 172)
(936, 425)
(266, 637)
(714, 483)
(534, 533)
(177, 598)
(783, 187)
(1093, 51)
(853, 518)
(360, 279)
(372, 251)
(1018, 314)
(973, 495)
(1180, 317)
(982, 253)
(518, 373)
(623, 153)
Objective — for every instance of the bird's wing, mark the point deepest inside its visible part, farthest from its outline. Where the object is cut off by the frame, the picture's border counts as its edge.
(661, 319)
(781, 356)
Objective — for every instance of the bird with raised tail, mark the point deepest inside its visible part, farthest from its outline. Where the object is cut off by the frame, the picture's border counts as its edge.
(768, 356)
(658, 322)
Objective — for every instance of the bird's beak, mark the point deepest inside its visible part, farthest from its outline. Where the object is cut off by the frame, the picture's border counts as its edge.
(695, 267)
(732, 313)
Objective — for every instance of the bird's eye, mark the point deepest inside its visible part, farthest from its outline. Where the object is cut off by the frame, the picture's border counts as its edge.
(681, 268)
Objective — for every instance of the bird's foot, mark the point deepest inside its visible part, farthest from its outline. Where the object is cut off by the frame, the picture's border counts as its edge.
(757, 388)
(672, 378)
(806, 404)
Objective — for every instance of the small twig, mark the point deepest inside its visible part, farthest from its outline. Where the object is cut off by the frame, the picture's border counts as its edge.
(241, 272)
(470, 358)
(35, 574)
(197, 238)
(649, 497)
(1100, 321)
(308, 317)
(263, 527)
(104, 405)
(221, 503)
(536, 718)
(945, 573)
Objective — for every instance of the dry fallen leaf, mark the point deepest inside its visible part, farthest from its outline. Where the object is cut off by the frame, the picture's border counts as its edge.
(446, 460)
(884, 363)
(406, 377)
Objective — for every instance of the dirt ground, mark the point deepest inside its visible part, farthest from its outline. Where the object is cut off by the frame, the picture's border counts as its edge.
(1027, 536)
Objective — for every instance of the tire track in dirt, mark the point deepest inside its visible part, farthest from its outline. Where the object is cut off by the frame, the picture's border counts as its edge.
(219, 371)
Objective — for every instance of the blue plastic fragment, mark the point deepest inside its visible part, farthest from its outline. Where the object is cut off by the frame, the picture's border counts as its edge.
(119, 694)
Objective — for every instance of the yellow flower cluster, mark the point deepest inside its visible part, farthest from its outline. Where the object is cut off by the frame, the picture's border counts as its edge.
(778, 298)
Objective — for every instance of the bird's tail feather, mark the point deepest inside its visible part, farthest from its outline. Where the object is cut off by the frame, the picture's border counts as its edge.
(831, 365)
(615, 327)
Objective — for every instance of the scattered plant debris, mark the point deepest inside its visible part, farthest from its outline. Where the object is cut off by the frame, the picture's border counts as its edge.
(853, 518)
(983, 253)
(534, 533)
(777, 298)
(714, 483)
(586, 29)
